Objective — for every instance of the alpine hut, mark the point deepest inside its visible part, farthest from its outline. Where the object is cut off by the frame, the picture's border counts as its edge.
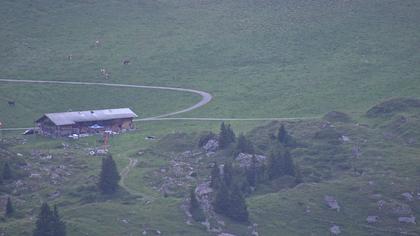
(86, 122)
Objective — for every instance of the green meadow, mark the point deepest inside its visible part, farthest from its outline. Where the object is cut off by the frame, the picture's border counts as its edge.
(266, 58)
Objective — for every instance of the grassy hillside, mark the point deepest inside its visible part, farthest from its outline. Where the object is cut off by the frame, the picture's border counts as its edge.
(259, 58)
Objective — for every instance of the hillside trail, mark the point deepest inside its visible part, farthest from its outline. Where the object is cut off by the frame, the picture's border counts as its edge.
(124, 174)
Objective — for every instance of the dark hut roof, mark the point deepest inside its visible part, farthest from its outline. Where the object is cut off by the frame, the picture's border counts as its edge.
(70, 118)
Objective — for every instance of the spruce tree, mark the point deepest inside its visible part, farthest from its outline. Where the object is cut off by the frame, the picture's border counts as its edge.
(43, 223)
(228, 174)
(223, 136)
(237, 209)
(215, 177)
(195, 209)
(252, 173)
(58, 226)
(274, 167)
(282, 135)
(49, 222)
(109, 176)
(243, 145)
(226, 136)
(9, 208)
(221, 200)
(7, 172)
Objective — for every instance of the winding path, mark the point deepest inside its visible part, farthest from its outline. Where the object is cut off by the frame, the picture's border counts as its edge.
(205, 98)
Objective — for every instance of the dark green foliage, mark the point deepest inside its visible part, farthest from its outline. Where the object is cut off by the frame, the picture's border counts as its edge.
(49, 223)
(59, 227)
(237, 208)
(283, 136)
(195, 209)
(252, 173)
(7, 172)
(221, 200)
(205, 138)
(228, 174)
(109, 176)
(226, 136)
(280, 163)
(9, 208)
(231, 203)
(215, 176)
(243, 145)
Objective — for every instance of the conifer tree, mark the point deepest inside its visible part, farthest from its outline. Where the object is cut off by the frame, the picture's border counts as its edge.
(109, 176)
(283, 136)
(274, 165)
(228, 174)
(43, 223)
(7, 172)
(9, 208)
(252, 173)
(237, 206)
(244, 145)
(49, 223)
(215, 176)
(195, 209)
(226, 136)
(58, 226)
(221, 201)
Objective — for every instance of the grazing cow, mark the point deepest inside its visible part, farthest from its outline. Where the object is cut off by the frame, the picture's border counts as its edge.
(11, 103)
(103, 71)
(70, 57)
(97, 43)
(126, 62)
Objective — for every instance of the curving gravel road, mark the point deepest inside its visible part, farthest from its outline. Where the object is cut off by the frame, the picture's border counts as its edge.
(205, 98)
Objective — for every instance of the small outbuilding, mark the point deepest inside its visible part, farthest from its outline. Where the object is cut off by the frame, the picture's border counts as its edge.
(86, 122)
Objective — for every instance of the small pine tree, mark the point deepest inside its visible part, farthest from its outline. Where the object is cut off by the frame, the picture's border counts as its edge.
(273, 169)
(9, 208)
(228, 174)
(195, 209)
(109, 176)
(215, 176)
(49, 223)
(7, 172)
(237, 206)
(244, 145)
(252, 173)
(43, 223)
(226, 136)
(282, 135)
(58, 226)
(221, 199)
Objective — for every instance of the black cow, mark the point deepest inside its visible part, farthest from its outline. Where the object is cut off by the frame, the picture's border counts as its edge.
(11, 103)
(126, 62)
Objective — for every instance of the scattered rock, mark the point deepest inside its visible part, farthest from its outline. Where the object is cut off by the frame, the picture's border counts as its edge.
(332, 203)
(408, 220)
(408, 196)
(245, 160)
(211, 146)
(335, 230)
(372, 219)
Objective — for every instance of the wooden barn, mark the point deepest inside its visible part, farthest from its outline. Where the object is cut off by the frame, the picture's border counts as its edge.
(86, 122)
